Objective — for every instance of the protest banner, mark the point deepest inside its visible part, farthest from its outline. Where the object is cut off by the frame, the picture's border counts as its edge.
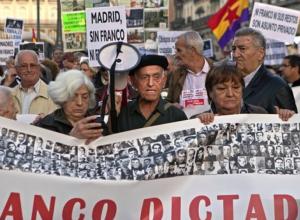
(7, 49)
(246, 147)
(275, 22)
(14, 28)
(104, 25)
(275, 52)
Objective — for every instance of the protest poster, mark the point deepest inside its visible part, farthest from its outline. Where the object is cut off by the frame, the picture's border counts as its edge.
(275, 52)
(275, 22)
(38, 47)
(246, 147)
(14, 28)
(96, 3)
(104, 25)
(73, 21)
(74, 31)
(166, 41)
(7, 49)
(135, 25)
(208, 48)
(74, 5)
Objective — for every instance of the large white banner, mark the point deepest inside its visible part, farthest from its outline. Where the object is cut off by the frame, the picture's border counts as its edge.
(104, 25)
(239, 196)
(239, 167)
(275, 22)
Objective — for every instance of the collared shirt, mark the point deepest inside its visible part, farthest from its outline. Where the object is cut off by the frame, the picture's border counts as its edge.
(249, 77)
(193, 90)
(131, 117)
(28, 95)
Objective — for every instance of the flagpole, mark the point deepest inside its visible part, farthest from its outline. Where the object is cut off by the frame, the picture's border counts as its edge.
(58, 42)
(38, 19)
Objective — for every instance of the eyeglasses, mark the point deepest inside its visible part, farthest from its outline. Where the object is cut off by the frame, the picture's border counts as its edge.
(31, 66)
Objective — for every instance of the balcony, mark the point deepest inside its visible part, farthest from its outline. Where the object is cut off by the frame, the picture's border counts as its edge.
(178, 24)
(200, 24)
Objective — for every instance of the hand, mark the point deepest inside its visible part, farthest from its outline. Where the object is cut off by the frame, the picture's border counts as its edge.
(38, 118)
(206, 118)
(10, 76)
(284, 114)
(87, 129)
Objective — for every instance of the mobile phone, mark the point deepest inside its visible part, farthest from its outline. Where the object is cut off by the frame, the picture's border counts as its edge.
(100, 120)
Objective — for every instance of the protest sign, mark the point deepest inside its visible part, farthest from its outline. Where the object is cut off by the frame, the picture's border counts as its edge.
(166, 41)
(74, 31)
(73, 21)
(38, 47)
(208, 48)
(75, 5)
(275, 22)
(250, 145)
(14, 28)
(275, 52)
(7, 49)
(104, 25)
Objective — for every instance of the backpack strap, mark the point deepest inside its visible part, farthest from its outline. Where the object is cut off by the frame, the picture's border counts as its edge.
(154, 117)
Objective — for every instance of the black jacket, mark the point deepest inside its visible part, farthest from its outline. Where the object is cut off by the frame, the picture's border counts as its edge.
(56, 121)
(268, 90)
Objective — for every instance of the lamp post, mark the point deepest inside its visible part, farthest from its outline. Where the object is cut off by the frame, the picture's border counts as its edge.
(38, 20)
(58, 42)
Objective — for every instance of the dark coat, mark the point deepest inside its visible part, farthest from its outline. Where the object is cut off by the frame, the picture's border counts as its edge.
(56, 121)
(268, 90)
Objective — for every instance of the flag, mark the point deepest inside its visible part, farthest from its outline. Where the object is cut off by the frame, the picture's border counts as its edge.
(33, 36)
(228, 20)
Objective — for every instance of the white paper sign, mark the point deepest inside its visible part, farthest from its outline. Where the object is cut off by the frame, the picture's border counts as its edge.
(275, 52)
(14, 27)
(7, 49)
(275, 22)
(104, 25)
(166, 41)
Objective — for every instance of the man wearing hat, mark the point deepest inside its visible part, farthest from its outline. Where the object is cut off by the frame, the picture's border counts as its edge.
(149, 108)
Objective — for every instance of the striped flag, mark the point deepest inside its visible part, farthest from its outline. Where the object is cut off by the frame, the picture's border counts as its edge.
(228, 20)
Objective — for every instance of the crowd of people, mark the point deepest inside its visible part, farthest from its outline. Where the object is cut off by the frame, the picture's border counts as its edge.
(67, 95)
(192, 80)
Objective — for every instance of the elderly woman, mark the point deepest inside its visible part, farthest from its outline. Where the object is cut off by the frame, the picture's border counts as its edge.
(224, 84)
(74, 93)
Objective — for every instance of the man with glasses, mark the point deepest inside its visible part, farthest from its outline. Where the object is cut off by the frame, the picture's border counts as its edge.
(262, 88)
(31, 96)
(149, 108)
(290, 69)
